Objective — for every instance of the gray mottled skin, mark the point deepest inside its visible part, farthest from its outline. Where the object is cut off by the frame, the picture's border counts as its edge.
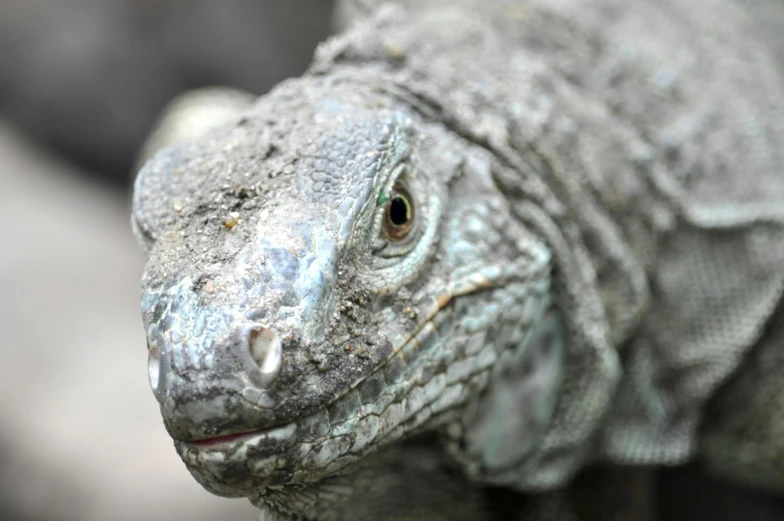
(596, 258)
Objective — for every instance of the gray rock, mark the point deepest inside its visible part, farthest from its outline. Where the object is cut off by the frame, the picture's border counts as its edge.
(89, 77)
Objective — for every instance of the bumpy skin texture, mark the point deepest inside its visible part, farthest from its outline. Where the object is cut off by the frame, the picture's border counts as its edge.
(597, 247)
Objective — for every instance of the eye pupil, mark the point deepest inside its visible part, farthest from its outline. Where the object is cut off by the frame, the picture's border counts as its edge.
(400, 215)
(398, 211)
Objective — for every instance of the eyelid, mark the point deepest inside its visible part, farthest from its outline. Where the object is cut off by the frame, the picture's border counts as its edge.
(398, 172)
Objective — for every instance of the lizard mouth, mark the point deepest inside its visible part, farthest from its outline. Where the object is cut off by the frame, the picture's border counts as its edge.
(233, 449)
(223, 439)
(268, 441)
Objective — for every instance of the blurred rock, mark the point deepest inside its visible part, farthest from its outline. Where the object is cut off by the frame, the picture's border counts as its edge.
(81, 435)
(89, 77)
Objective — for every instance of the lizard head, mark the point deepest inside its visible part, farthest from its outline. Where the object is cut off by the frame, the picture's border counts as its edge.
(328, 274)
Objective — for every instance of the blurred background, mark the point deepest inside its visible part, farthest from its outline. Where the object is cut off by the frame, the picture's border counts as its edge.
(81, 84)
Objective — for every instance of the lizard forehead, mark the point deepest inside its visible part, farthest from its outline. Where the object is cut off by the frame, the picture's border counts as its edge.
(327, 154)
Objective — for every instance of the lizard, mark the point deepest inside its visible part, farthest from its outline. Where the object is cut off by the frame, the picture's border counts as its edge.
(477, 246)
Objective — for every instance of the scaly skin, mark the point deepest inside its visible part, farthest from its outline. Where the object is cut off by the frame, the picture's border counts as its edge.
(579, 273)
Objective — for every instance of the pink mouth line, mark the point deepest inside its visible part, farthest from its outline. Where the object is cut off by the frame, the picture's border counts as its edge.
(228, 438)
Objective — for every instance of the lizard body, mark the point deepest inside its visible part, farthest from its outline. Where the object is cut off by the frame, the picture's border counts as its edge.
(477, 244)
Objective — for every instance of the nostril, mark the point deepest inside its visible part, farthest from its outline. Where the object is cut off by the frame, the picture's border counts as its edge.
(265, 350)
(154, 367)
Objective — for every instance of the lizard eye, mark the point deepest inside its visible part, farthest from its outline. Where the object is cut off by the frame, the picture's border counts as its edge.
(399, 214)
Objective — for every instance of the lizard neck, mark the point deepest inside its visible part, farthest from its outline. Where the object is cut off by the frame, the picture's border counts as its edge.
(408, 480)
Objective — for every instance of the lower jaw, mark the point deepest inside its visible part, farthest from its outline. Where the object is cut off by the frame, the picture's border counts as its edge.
(240, 464)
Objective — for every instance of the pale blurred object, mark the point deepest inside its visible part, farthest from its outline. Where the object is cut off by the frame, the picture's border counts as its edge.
(192, 114)
(81, 435)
